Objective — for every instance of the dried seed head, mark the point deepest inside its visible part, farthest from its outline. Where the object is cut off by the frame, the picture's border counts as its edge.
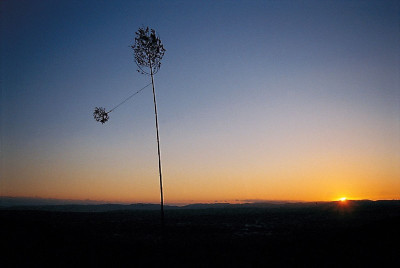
(100, 115)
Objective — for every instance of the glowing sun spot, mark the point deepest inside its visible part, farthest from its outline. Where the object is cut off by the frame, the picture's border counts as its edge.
(343, 199)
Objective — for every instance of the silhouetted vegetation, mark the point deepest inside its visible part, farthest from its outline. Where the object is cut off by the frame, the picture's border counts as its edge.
(149, 51)
(100, 115)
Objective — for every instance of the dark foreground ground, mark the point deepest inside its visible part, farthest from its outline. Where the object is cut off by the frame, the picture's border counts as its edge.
(356, 234)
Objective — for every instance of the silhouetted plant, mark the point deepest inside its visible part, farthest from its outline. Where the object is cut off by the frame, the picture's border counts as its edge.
(149, 51)
(100, 115)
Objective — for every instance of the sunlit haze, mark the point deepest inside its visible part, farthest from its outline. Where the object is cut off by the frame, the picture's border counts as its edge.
(257, 100)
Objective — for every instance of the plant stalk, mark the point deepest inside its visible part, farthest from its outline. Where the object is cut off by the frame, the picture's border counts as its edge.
(158, 148)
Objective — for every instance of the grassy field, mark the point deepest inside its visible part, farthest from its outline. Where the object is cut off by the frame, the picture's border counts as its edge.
(355, 234)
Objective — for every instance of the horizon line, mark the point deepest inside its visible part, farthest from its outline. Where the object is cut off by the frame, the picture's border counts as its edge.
(179, 203)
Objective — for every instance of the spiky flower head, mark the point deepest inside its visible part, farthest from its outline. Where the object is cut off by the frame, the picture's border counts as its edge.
(148, 50)
(100, 115)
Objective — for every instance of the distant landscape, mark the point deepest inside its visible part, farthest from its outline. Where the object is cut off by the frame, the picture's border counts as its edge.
(50, 203)
(318, 234)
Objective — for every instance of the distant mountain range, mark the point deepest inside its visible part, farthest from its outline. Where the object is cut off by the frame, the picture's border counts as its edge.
(8, 201)
(27, 203)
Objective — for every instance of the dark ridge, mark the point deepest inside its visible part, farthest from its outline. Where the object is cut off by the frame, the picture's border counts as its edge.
(45, 206)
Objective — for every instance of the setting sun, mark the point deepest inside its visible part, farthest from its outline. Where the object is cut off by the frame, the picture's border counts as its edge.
(343, 199)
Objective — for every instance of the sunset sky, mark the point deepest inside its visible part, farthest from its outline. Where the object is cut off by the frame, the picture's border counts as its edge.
(257, 100)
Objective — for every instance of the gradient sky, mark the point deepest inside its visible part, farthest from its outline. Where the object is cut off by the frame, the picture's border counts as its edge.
(274, 100)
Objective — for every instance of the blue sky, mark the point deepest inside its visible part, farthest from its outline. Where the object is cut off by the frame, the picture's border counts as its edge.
(250, 94)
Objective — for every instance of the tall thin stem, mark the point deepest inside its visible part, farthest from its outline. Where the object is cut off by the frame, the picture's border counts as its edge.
(158, 147)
